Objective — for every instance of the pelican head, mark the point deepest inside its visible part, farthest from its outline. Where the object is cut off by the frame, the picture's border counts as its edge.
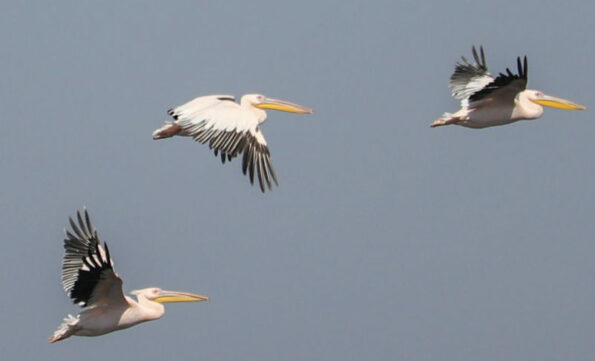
(262, 102)
(156, 294)
(549, 101)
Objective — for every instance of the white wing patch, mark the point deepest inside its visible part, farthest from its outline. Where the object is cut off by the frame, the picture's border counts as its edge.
(194, 107)
(469, 78)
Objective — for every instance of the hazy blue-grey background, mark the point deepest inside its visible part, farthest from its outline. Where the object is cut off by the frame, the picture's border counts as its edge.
(386, 240)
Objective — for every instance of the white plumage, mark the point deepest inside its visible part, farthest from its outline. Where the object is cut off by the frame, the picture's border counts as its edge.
(230, 129)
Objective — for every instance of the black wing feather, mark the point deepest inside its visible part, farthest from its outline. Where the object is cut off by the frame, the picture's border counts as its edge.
(85, 263)
(88, 280)
(257, 159)
(228, 144)
(503, 80)
(467, 75)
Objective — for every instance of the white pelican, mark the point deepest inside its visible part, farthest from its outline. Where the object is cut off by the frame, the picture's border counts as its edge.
(89, 279)
(487, 101)
(231, 129)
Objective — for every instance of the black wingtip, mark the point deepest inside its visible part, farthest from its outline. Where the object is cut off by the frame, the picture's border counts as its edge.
(480, 58)
(483, 58)
(474, 52)
(75, 228)
(88, 221)
(172, 113)
(107, 255)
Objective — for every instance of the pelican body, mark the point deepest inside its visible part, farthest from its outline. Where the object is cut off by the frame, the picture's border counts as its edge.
(231, 129)
(487, 101)
(89, 279)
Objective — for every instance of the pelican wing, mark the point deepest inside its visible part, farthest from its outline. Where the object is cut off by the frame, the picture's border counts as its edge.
(88, 276)
(230, 131)
(504, 88)
(257, 158)
(197, 105)
(216, 119)
(470, 78)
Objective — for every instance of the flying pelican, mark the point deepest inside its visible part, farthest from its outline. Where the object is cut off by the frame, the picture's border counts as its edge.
(231, 129)
(487, 101)
(89, 279)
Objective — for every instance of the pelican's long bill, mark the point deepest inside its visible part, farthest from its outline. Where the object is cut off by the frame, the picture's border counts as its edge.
(553, 102)
(174, 296)
(282, 105)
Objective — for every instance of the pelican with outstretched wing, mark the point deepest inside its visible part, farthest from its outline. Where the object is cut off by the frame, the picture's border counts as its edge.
(89, 279)
(231, 129)
(487, 101)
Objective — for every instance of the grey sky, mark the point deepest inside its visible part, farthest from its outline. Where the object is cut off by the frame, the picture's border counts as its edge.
(386, 240)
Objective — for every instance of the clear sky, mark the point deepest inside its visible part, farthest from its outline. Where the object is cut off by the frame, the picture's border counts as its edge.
(386, 239)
